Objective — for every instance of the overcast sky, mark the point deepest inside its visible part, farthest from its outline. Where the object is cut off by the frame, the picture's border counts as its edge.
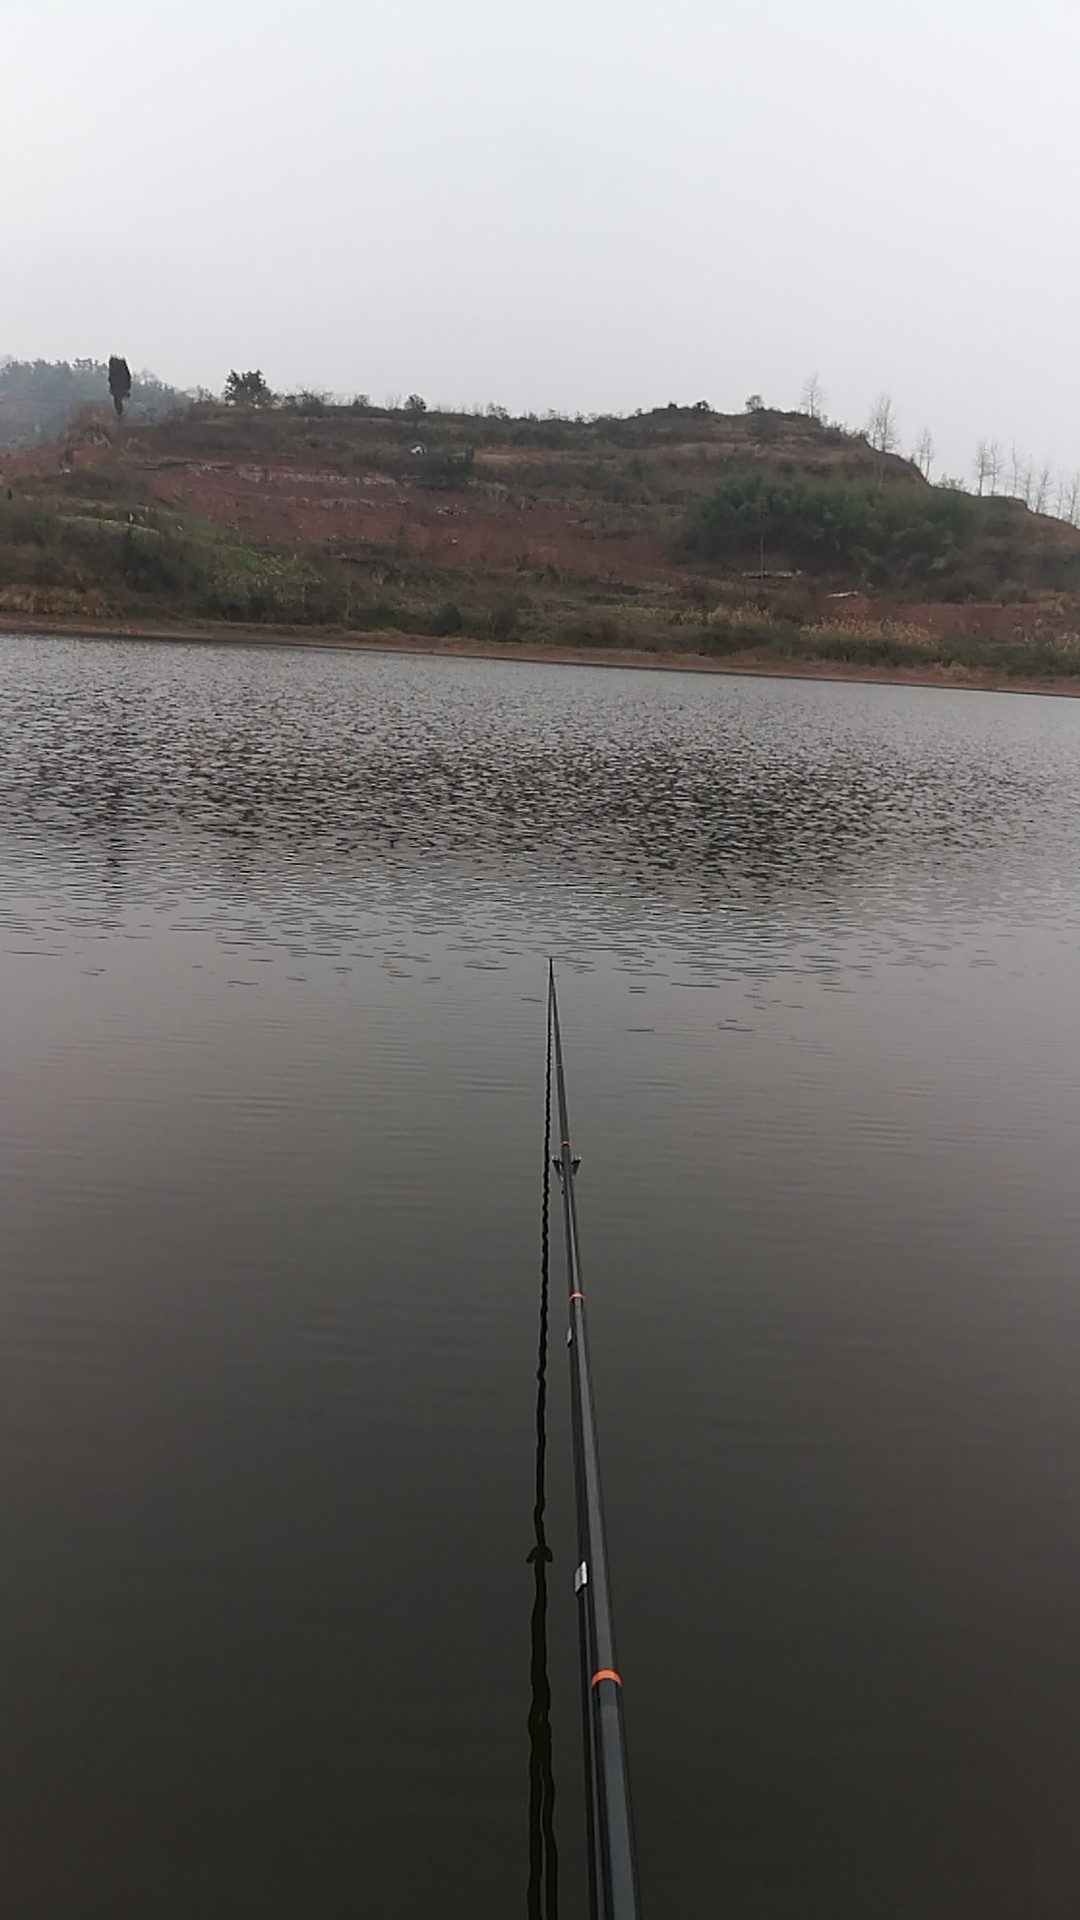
(582, 204)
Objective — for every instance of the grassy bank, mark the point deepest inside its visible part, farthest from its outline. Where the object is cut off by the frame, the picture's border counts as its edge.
(922, 670)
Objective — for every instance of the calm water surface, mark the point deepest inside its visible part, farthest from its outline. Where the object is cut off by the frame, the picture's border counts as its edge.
(272, 934)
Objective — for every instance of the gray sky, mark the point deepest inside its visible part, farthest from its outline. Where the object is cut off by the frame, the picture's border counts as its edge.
(587, 204)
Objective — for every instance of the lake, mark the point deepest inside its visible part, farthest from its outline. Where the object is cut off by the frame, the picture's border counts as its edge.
(273, 935)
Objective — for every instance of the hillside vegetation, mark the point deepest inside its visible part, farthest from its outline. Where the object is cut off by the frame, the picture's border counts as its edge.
(925, 542)
(759, 536)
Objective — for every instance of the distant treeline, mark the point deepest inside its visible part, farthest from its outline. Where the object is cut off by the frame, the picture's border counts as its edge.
(39, 399)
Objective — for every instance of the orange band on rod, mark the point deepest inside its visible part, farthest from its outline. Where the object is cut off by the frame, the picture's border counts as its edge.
(577, 1296)
(606, 1673)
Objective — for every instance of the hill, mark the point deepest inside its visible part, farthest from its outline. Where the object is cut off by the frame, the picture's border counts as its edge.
(761, 535)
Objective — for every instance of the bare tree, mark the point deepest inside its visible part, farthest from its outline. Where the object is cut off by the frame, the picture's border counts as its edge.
(1042, 489)
(813, 397)
(1073, 515)
(882, 433)
(987, 466)
(882, 430)
(923, 453)
(1016, 472)
(1061, 494)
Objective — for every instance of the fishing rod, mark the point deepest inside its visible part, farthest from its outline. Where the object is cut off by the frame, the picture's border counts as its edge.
(542, 1902)
(613, 1891)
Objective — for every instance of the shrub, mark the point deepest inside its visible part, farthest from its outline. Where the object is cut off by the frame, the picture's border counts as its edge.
(897, 535)
(224, 602)
(593, 633)
(447, 620)
(446, 472)
(24, 526)
(146, 565)
(380, 614)
(505, 620)
(720, 639)
(262, 602)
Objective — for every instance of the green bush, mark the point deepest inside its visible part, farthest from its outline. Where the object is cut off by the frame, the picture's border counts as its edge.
(505, 620)
(224, 601)
(262, 602)
(24, 526)
(146, 564)
(719, 639)
(895, 535)
(49, 571)
(446, 472)
(447, 620)
(593, 633)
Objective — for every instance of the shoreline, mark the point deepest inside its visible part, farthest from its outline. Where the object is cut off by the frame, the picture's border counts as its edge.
(387, 641)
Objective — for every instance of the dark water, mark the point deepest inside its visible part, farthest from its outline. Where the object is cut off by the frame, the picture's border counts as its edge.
(272, 930)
